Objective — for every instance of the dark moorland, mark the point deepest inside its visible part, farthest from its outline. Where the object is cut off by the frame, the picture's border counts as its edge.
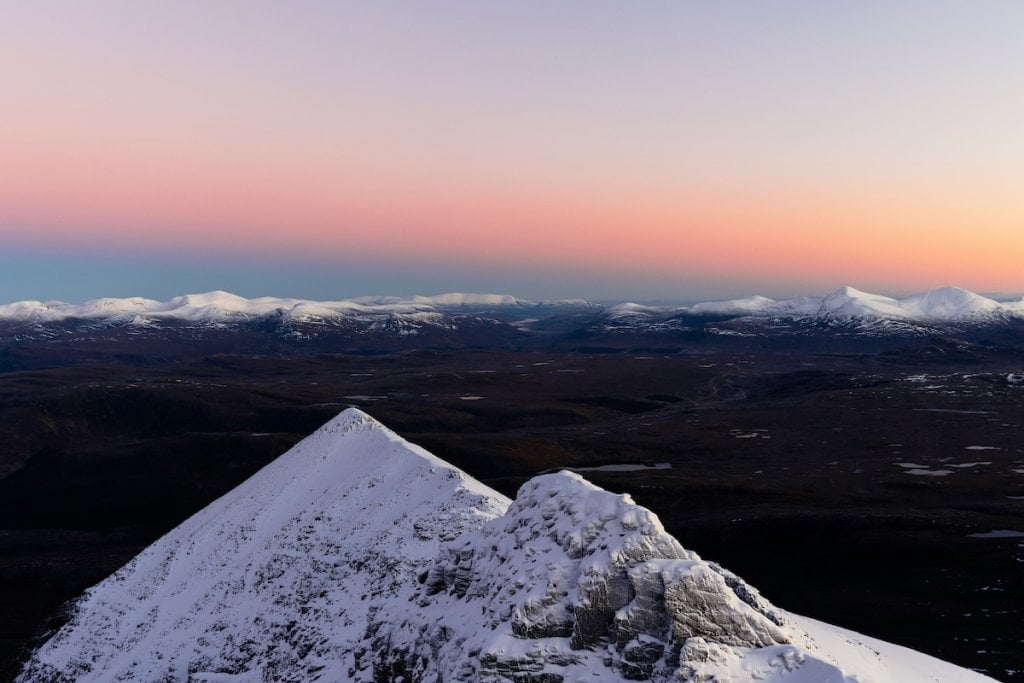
(849, 488)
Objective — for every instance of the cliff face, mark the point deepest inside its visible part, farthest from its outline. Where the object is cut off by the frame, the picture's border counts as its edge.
(358, 556)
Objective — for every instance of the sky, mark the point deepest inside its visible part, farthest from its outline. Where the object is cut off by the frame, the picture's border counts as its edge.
(662, 150)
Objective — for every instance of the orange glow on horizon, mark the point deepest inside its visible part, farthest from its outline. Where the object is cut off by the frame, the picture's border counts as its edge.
(392, 134)
(906, 239)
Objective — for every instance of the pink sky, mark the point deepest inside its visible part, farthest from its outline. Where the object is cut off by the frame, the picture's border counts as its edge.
(813, 148)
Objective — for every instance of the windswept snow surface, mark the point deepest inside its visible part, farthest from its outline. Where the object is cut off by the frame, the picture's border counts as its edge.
(358, 556)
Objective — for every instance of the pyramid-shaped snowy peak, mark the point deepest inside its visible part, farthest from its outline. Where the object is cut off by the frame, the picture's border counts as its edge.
(278, 575)
(358, 556)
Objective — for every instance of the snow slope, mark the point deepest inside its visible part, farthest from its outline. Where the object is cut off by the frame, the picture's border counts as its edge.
(939, 305)
(452, 299)
(278, 576)
(950, 303)
(630, 310)
(746, 306)
(359, 556)
(220, 306)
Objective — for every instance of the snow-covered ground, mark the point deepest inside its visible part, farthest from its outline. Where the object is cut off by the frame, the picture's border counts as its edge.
(945, 304)
(220, 306)
(359, 556)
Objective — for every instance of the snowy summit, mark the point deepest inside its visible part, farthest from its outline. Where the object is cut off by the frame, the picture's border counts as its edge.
(357, 556)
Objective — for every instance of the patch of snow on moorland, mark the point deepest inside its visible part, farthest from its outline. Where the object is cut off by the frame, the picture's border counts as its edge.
(929, 472)
(998, 533)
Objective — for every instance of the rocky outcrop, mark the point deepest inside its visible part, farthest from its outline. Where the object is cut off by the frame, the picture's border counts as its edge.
(573, 573)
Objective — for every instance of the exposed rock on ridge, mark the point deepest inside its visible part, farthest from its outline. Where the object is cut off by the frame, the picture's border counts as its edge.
(589, 579)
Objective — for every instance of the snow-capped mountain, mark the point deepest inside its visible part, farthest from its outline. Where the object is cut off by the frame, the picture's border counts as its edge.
(34, 334)
(218, 322)
(358, 556)
(745, 306)
(842, 316)
(945, 304)
(223, 306)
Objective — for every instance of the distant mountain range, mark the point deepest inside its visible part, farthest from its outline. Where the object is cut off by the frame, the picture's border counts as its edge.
(846, 320)
(358, 556)
(938, 305)
(217, 307)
